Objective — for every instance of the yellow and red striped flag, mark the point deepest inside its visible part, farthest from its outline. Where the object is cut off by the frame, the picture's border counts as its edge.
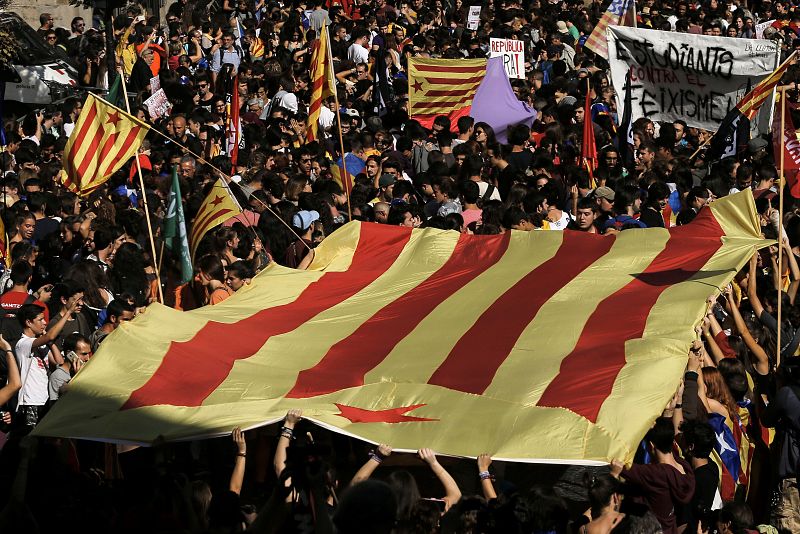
(726, 139)
(751, 102)
(218, 206)
(321, 82)
(104, 139)
(619, 13)
(416, 337)
(442, 87)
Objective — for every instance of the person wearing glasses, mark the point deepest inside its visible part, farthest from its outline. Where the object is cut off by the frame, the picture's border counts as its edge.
(205, 93)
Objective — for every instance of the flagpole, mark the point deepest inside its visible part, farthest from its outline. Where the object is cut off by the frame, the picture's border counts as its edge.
(203, 160)
(146, 207)
(780, 219)
(339, 126)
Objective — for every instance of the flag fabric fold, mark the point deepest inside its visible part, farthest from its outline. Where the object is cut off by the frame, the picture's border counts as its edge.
(496, 104)
(442, 87)
(466, 370)
(218, 206)
(175, 237)
(104, 139)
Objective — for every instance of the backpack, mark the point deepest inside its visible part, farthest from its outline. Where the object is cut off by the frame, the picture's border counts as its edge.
(236, 48)
(487, 196)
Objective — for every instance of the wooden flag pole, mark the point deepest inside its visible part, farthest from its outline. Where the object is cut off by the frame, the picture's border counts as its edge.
(144, 197)
(780, 220)
(346, 179)
(203, 160)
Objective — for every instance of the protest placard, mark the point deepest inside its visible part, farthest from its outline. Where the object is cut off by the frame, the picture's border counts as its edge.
(157, 105)
(155, 84)
(697, 78)
(474, 17)
(513, 54)
(761, 26)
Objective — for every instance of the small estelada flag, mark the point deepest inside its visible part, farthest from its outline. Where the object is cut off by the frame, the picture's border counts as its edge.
(442, 87)
(104, 139)
(218, 206)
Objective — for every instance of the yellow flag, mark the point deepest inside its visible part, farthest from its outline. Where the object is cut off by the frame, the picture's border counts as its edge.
(321, 82)
(218, 207)
(537, 346)
(104, 139)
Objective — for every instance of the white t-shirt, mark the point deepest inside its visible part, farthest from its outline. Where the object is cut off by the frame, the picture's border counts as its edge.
(484, 186)
(357, 54)
(562, 223)
(32, 372)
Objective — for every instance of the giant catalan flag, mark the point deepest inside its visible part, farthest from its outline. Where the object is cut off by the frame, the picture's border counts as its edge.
(532, 346)
(442, 87)
(104, 139)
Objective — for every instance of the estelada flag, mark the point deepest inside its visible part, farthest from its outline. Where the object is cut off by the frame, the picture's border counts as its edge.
(534, 346)
(321, 81)
(218, 206)
(104, 139)
(619, 13)
(442, 87)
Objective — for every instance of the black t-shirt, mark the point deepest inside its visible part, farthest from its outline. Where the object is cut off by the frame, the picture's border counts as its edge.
(44, 227)
(706, 480)
(520, 160)
(651, 218)
(140, 75)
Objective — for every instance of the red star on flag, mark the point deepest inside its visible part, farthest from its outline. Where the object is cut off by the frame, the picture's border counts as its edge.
(113, 118)
(217, 201)
(417, 86)
(392, 415)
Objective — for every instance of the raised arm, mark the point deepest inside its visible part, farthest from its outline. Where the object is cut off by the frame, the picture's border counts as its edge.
(52, 333)
(752, 294)
(487, 484)
(452, 493)
(237, 477)
(376, 457)
(287, 432)
(710, 324)
(762, 360)
(14, 383)
(789, 255)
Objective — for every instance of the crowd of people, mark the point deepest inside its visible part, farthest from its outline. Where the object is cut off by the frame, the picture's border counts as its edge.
(79, 266)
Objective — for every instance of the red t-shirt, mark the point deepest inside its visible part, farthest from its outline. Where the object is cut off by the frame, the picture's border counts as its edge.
(12, 301)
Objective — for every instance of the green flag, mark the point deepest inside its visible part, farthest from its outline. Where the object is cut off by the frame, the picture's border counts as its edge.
(114, 93)
(175, 237)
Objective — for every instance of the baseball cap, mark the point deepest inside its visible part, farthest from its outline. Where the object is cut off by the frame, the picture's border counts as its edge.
(304, 219)
(604, 192)
(756, 144)
(386, 180)
(562, 27)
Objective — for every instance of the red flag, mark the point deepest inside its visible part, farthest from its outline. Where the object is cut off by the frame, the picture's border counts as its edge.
(791, 148)
(234, 123)
(588, 145)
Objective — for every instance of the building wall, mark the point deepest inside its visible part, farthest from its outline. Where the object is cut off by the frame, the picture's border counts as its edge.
(62, 11)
